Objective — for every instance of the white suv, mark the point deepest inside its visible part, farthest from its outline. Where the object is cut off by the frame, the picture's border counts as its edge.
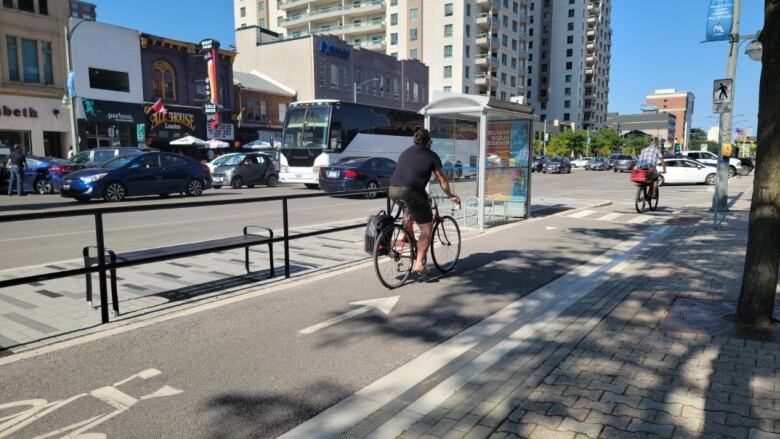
(709, 158)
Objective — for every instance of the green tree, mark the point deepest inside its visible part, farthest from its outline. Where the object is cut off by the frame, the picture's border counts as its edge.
(568, 143)
(604, 141)
(538, 147)
(634, 144)
(698, 137)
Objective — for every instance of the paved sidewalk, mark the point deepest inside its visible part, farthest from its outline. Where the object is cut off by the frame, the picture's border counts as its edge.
(647, 355)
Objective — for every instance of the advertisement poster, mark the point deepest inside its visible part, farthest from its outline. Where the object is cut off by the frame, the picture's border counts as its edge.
(720, 17)
(507, 158)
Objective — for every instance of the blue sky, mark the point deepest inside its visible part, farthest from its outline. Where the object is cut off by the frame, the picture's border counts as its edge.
(655, 44)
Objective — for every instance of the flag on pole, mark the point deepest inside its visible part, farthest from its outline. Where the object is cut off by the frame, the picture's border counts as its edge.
(158, 107)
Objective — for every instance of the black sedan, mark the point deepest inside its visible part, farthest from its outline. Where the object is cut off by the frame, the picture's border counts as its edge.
(598, 164)
(354, 173)
(536, 164)
(557, 165)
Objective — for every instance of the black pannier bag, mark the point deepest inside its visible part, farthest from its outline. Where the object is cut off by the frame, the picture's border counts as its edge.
(375, 225)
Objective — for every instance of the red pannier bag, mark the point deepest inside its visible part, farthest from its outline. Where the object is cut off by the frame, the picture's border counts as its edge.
(639, 175)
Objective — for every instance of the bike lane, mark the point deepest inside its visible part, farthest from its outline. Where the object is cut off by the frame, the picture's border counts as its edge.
(245, 368)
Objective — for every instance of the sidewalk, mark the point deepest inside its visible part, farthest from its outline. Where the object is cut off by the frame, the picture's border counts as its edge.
(646, 355)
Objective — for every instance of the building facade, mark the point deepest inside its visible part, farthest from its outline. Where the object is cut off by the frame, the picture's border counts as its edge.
(472, 46)
(569, 45)
(678, 103)
(329, 68)
(175, 72)
(661, 126)
(83, 10)
(252, 13)
(263, 105)
(33, 76)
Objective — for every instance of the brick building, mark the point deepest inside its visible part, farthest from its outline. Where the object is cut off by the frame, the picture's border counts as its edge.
(680, 104)
(262, 103)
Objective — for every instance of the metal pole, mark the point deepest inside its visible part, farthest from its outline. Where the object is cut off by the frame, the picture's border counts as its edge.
(544, 138)
(483, 120)
(101, 250)
(286, 227)
(74, 137)
(720, 199)
(354, 91)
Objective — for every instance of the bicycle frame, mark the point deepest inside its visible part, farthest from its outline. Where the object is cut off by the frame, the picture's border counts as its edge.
(408, 224)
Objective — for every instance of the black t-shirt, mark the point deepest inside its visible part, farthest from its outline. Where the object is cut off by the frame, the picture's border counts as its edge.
(17, 159)
(415, 166)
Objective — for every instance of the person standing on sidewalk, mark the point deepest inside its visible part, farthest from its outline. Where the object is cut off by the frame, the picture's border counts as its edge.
(16, 164)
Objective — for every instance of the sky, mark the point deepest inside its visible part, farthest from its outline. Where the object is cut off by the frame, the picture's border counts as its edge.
(655, 44)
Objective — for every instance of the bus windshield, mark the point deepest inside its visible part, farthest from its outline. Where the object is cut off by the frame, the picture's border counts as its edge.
(307, 127)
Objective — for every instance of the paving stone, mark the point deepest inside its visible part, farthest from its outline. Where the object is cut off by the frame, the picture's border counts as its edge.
(637, 425)
(534, 418)
(618, 422)
(612, 433)
(562, 410)
(569, 424)
(541, 432)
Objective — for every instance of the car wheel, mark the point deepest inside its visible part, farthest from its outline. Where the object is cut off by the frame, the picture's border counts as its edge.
(660, 180)
(217, 186)
(370, 186)
(236, 183)
(250, 185)
(114, 192)
(44, 187)
(194, 188)
(312, 186)
(732, 171)
(271, 181)
(711, 179)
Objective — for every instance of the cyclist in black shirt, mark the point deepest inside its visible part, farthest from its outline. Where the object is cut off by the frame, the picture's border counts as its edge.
(412, 174)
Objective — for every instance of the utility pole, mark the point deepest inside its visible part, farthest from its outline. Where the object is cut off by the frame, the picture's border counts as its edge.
(544, 138)
(74, 135)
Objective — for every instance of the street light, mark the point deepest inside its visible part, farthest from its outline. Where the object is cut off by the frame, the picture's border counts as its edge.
(356, 85)
(755, 50)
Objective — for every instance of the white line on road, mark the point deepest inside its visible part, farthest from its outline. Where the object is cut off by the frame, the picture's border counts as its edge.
(581, 214)
(639, 219)
(383, 305)
(610, 216)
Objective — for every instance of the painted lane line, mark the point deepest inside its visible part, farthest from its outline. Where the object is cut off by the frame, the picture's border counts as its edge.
(610, 217)
(581, 214)
(383, 305)
(543, 304)
(639, 219)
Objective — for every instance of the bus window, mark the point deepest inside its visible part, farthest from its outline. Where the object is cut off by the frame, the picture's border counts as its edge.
(307, 127)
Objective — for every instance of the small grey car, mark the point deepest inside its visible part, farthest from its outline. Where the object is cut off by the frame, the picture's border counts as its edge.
(245, 170)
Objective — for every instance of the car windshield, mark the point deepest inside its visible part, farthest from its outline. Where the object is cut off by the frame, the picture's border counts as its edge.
(231, 160)
(118, 162)
(307, 127)
(221, 159)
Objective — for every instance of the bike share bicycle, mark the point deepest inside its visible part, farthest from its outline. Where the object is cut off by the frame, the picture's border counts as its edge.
(395, 245)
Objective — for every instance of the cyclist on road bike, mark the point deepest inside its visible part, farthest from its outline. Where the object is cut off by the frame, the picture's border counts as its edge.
(412, 174)
(649, 159)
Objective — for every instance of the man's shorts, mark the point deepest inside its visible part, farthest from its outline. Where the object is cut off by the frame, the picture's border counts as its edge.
(416, 203)
(652, 173)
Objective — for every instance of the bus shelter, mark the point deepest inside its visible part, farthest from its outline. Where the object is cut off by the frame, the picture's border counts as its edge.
(485, 146)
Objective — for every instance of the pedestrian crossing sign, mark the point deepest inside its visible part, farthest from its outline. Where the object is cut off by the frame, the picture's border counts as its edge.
(722, 95)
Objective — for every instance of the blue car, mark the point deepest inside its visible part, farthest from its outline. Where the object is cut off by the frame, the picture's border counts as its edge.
(43, 174)
(151, 173)
(354, 173)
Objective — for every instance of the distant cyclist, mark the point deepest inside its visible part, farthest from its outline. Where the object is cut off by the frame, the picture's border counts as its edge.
(649, 159)
(412, 174)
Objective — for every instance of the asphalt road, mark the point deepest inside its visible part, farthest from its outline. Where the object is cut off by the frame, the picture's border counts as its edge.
(49, 241)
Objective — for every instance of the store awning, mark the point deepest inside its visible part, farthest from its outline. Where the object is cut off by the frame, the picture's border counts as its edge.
(216, 144)
(188, 141)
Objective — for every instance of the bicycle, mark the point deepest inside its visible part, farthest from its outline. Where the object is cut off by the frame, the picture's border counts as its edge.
(644, 197)
(395, 248)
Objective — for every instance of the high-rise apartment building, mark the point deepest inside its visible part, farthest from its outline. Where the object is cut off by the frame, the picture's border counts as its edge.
(252, 13)
(471, 46)
(569, 44)
(83, 10)
(679, 103)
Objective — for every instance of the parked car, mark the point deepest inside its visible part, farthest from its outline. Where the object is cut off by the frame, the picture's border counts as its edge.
(581, 162)
(44, 174)
(557, 165)
(147, 173)
(353, 173)
(240, 170)
(93, 157)
(682, 171)
(536, 163)
(622, 163)
(747, 166)
(598, 164)
(707, 157)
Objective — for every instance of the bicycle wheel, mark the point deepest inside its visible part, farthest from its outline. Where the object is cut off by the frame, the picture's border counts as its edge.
(653, 198)
(394, 254)
(640, 202)
(445, 244)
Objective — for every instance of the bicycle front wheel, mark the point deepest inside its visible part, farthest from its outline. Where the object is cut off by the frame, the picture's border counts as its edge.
(640, 202)
(394, 252)
(445, 244)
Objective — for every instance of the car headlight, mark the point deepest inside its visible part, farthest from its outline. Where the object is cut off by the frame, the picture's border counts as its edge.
(92, 178)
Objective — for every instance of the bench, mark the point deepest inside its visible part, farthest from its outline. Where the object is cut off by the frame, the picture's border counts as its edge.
(139, 257)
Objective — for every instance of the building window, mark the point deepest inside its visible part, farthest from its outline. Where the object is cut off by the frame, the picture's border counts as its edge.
(503, 59)
(503, 95)
(513, 81)
(393, 2)
(570, 26)
(261, 22)
(413, 14)
(514, 63)
(528, 95)
(43, 7)
(448, 10)
(243, 12)
(48, 68)
(544, 67)
(468, 30)
(261, 6)
(514, 7)
(514, 44)
(396, 87)
(413, 53)
(394, 19)
(466, 72)
(468, 51)
(334, 76)
(412, 34)
(504, 41)
(571, 13)
(13, 58)
(394, 55)
(568, 79)
(566, 117)
(566, 104)
(468, 10)
(393, 39)
(32, 73)
(568, 65)
(447, 88)
(448, 51)
(26, 5)
(514, 25)
(570, 39)
(163, 80)
(447, 72)
(569, 52)
(567, 91)
(447, 30)
(466, 89)
(8, 3)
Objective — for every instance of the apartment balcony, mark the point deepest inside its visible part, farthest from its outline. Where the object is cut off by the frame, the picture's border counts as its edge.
(483, 79)
(590, 60)
(593, 9)
(486, 20)
(590, 46)
(362, 28)
(522, 18)
(287, 5)
(589, 71)
(485, 39)
(377, 45)
(486, 61)
(495, 4)
(592, 20)
(591, 33)
(361, 8)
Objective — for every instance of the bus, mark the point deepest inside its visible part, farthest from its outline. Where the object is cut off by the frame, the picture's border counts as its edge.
(321, 132)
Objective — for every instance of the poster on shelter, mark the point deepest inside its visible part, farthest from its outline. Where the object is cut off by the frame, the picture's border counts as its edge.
(507, 155)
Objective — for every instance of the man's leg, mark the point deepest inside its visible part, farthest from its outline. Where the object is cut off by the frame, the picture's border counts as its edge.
(426, 230)
(11, 180)
(19, 181)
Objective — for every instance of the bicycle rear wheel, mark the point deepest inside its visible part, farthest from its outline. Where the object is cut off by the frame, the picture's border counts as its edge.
(653, 198)
(394, 252)
(641, 202)
(445, 244)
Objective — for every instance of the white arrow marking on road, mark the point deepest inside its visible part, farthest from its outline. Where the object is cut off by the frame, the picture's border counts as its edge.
(384, 305)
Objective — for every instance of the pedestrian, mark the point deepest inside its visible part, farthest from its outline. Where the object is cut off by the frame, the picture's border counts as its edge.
(210, 154)
(71, 153)
(272, 142)
(16, 164)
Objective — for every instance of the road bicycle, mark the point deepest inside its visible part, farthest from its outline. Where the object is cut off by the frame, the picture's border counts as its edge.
(646, 197)
(395, 248)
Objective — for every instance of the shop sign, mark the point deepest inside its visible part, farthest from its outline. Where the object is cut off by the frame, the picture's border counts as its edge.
(327, 48)
(223, 131)
(18, 112)
(140, 132)
(172, 120)
(111, 112)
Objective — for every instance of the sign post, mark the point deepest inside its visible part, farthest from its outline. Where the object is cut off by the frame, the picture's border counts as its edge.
(140, 132)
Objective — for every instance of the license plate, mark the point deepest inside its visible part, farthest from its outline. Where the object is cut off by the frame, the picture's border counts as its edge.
(333, 174)
(298, 175)
(66, 186)
(217, 178)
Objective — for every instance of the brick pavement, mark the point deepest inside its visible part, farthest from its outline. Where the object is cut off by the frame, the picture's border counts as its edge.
(614, 366)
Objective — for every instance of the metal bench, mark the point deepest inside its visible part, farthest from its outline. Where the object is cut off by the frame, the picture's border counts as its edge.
(139, 257)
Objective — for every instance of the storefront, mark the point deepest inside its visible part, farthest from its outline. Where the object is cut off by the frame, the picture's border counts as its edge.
(175, 123)
(108, 123)
(40, 125)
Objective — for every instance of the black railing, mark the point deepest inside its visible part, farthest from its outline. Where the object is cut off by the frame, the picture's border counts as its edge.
(103, 266)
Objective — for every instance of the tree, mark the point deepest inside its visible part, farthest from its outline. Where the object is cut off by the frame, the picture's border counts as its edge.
(759, 279)
(538, 147)
(634, 144)
(604, 142)
(698, 137)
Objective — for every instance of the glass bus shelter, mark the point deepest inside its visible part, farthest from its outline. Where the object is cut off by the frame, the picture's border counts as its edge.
(485, 148)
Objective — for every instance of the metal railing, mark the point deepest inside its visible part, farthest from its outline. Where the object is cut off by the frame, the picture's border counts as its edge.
(103, 266)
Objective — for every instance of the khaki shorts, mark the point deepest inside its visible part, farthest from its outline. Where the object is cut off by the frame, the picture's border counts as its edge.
(416, 203)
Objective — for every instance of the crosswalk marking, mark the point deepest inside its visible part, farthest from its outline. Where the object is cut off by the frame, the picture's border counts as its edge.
(581, 214)
(610, 216)
(639, 219)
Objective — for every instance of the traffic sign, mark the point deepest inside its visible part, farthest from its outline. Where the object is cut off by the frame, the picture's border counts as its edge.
(210, 108)
(722, 95)
(140, 132)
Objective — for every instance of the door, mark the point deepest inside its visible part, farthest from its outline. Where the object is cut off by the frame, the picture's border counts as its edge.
(32, 172)
(673, 172)
(174, 173)
(389, 169)
(145, 176)
(252, 169)
(693, 172)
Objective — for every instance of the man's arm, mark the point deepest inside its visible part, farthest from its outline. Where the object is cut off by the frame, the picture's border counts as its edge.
(445, 186)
